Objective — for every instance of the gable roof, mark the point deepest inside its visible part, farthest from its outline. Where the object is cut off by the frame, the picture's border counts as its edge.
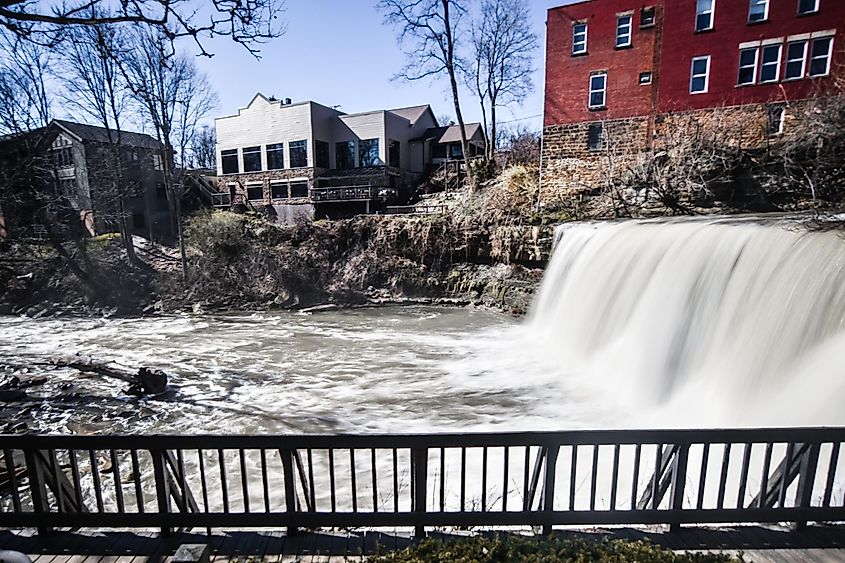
(96, 134)
(413, 113)
(452, 133)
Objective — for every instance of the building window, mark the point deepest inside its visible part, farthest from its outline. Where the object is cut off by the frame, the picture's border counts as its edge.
(623, 31)
(344, 155)
(158, 164)
(63, 157)
(393, 154)
(774, 120)
(321, 154)
(747, 66)
(807, 7)
(595, 136)
(645, 78)
(699, 75)
(704, 15)
(68, 187)
(820, 56)
(278, 190)
(598, 90)
(229, 159)
(161, 192)
(252, 159)
(579, 39)
(299, 189)
(647, 17)
(796, 55)
(770, 63)
(368, 153)
(276, 156)
(298, 154)
(255, 192)
(758, 10)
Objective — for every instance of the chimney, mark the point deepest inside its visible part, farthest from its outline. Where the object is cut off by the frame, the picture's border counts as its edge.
(287, 101)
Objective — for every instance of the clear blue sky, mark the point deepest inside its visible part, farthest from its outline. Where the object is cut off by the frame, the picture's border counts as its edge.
(338, 52)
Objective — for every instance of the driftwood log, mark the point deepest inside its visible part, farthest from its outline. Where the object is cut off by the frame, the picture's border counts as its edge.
(145, 381)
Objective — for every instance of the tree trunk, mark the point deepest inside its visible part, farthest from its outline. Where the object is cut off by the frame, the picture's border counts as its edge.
(450, 67)
(492, 148)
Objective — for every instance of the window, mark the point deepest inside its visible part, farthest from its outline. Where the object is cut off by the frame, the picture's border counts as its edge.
(255, 192)
(63, 157)
(595, 136)
(747, 66)
(368, 153)
(579, 39)
(344, 155)
(770, 63)
(796, 53)
(598, 90)
(68, 187)
(774, 120)
(229, 159)
(159, 165)
(807, 7)
(298, 154)
(623, 31)
(820, 56)
(252, 159)
(393, 154)
(299, 189)
(704, 15)
(645, 78)
(278, 190)
(758, 10)
(321, 154)
(647, 17)
(699, 75)
(276, 156)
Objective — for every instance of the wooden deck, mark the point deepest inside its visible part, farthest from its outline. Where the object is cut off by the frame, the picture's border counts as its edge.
(757, 543)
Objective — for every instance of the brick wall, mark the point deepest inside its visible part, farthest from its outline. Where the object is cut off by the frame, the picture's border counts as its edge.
(265, 178)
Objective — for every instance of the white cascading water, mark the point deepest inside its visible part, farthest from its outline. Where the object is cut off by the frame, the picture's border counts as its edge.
(715, 322)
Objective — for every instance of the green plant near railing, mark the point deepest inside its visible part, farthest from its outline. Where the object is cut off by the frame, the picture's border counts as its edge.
(509, 548)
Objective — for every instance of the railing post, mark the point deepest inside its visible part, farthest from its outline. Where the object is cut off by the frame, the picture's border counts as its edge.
(290, 490)
(806, 479)
(420, 461)
(162, 487)
(549, 488)
(679, 479)
(38, 489)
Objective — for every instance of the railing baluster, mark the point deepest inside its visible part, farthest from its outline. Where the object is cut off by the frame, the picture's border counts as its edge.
(764, 478)
(638, 450)
(723, 476)
(375, 478)
(549, 488)
(95, 474)
(354, 484)
(162, 484)
(573, 475)
(655, 482)
(806, 480)
(77, 481)
(312, 489)
(224, 488)
(332, 487)
(505, 475)
(679, 481)
(13, 479)
(395, 480)
(420, 463)
(702, 475)
(463, 478)
(265, 480)
(831, 473)
(57, 484)
(442, 479)
(290, 490)
(594, 476)
(784, 479)
(203, 482)
(37, 489)
(118, 487)
(526, 468)
(743, 476)
(244, 479)
(136, 479)
(484, 479)
(614, 479)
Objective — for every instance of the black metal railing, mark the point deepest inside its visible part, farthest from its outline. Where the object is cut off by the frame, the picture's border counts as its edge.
(352, 193)
(505, 479)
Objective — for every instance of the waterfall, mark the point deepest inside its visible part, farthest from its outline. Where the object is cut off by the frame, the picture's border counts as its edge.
(701, 322)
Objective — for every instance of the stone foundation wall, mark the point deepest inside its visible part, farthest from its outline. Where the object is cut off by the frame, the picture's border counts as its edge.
(265, 177)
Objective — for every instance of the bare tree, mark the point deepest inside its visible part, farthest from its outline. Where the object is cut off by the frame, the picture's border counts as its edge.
(428, 29)
(203, 148)
(247, 22)
(174, 96)
(25, 102)
(94, 87)
(503, 47)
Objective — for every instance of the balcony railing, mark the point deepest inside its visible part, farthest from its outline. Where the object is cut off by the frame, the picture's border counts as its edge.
(352, 193)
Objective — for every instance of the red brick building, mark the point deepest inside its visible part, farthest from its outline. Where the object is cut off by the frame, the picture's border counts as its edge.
(616, 65)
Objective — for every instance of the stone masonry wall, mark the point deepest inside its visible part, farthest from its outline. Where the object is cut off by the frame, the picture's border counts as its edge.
(265, 178)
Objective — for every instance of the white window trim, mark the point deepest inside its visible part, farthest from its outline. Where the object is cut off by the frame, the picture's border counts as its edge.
(777, 64)
(630, 33)
(808, 56)
(586, 30)
(781, 122)
(753, 66)
(813, 11)
(751, 4)
(787, 60)
(706, 74)
(711, 12)
(602, 90)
